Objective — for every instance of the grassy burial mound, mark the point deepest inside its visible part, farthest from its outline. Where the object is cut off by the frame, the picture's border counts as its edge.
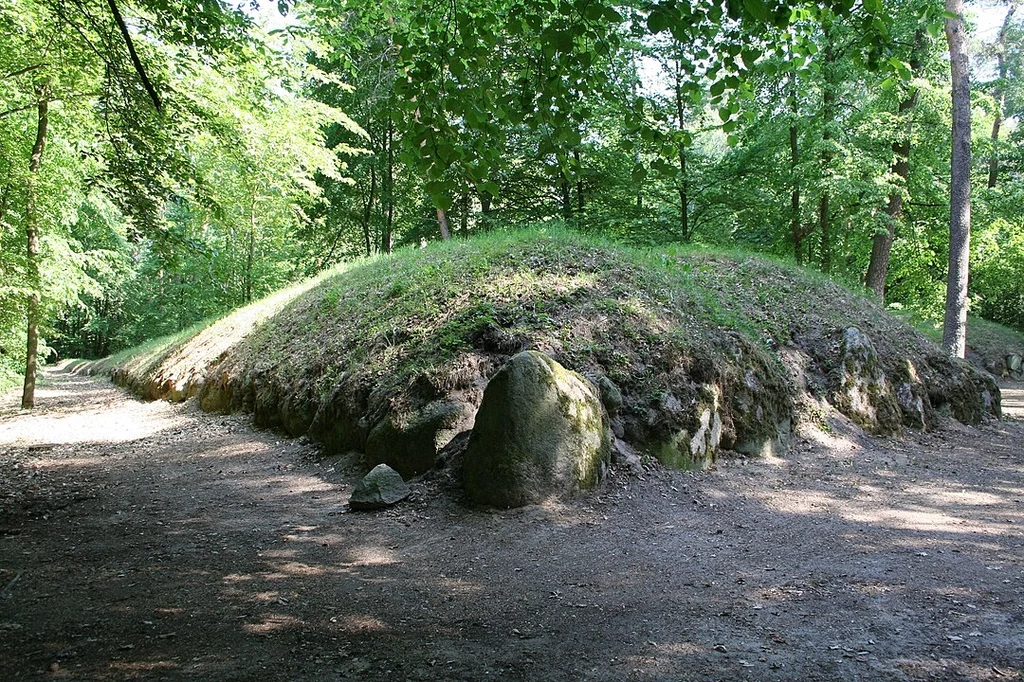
(692, 353)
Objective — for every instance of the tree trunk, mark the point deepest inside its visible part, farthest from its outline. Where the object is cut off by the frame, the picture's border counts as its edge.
(881, 246)
(999, 95)
(442, 223)
(3, 202)
(389, 190)
(954, 331)
(827, 105)
(580, 203)
(796, 230)
(684, 184)
(368, 210)
(566, 197)
(684, 199)
(826, 235)
(636, 148)
(250, 255)
(464, 213)
(485, 202)
(28, 395)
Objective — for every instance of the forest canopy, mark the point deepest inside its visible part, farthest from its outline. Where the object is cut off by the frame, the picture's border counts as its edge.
(164, 161)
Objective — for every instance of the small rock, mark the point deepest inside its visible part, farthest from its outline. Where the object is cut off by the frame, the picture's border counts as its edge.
(1014, 363)
(380, 488)
(624, 455)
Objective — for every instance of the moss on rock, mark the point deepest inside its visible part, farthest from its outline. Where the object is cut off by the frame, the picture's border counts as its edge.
(540, 432)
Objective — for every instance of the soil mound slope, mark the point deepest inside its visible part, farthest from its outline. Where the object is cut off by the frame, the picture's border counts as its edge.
(700, 352)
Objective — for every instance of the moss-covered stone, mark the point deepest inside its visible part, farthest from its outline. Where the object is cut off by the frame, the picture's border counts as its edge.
(540, 432)
(380, 488)
(958, 390)
(611, 395)
(697, 446)
(757, 402)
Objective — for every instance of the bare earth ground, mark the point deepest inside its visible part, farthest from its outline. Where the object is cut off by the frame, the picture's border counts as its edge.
(151, 541)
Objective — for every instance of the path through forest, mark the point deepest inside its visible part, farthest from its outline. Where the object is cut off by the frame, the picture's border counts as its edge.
(152, 541)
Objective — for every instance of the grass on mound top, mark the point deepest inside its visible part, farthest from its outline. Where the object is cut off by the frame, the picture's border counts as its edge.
(189, 352)
(409, 327)
(637, 314)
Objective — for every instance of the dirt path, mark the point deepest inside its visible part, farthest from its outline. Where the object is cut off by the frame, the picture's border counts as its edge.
(1013, 400)
(149, 541)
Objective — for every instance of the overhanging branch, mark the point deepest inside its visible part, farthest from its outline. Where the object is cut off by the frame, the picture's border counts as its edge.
(27, 69)
(136, 62)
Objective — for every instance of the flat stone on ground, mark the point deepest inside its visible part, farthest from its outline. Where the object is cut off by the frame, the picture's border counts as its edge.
(380, 488)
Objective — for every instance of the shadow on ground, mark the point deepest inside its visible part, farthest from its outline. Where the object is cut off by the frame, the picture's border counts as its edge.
(164, 544)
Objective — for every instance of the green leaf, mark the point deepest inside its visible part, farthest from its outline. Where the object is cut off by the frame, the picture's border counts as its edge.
(659, 20)
(757, 9)
(490, 187)
(664, 167)
(435, 171)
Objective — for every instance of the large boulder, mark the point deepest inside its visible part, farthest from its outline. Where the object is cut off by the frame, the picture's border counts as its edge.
(1015, 366)
(540, 432)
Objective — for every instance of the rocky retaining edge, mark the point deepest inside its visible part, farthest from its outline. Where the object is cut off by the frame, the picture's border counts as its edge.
(744, 400)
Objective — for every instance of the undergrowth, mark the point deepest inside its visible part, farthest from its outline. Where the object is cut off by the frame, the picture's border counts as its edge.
(10, 374)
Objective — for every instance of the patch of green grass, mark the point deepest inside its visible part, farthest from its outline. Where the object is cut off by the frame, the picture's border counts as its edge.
(10, 374)
(993, 341)
(142, 359)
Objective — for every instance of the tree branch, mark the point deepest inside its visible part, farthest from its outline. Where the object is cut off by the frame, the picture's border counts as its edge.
(78, 29)
(15, 110)
(20, 72)
(9, 112)
(139, 68)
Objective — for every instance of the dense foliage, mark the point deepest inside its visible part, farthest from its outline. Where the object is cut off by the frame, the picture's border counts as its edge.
(193, 161)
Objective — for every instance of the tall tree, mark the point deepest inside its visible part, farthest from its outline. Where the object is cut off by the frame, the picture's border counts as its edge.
(882, 240)
(954, 331)
(28, 395)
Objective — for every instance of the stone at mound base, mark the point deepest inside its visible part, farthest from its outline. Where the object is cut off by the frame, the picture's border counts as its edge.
(411, 445)
(862, 391)
(380, 488)
(540, 433)
(1015, 366)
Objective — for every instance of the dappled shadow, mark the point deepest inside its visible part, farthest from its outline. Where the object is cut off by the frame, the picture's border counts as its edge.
(209, 552)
